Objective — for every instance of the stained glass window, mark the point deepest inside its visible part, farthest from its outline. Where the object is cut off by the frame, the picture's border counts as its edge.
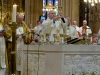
(53, 2)
(44, 4)
(56, 4)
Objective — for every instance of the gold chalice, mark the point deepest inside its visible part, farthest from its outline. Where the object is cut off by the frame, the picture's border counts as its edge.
(43, 37)
(89, 38)
(58, 39)
(59, 12)
(47, 38)
(61, 38)
(32, 31)
(61, 35)
(65, 38)
(55, 37)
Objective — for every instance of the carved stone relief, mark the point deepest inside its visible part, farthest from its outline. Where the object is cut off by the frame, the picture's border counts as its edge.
(81, 64)
(68, 65)
(77, 61)
(36, 64)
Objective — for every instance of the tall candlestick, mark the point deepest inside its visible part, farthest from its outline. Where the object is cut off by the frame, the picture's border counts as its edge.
(14, 13)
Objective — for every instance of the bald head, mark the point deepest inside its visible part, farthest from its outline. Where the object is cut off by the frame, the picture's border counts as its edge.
(84, 22)
(52, 14)
(19, 18)
(74, 23)
(68, 19)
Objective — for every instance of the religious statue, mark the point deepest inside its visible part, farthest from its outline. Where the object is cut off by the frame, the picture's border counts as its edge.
(68, 65)
(89, 65)
(98, 65)
(77, 69)
(32, 64)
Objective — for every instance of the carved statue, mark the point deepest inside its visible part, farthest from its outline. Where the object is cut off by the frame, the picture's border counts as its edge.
(33, 64)
(77, 69)
(89, 65)
(98, 65)
(68, 65)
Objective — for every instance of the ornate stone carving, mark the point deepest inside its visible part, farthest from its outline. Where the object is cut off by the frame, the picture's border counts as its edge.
(68, 65)
(81, 65)
(98, 65)
(88, 64)
(77, 69)
(36, 64)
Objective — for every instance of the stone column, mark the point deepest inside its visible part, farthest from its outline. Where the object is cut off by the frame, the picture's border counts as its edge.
(66, 7)
(27, 13)
(70, 8)
(33, 9)
(75, 11)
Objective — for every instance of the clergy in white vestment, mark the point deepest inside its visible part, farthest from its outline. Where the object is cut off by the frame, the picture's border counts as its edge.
(21, 33)
(38, 30)
(85, 30)
(71, 32)
(20, 42)
(96, 37)
(75, 25)
(53, 25)
(3, 58)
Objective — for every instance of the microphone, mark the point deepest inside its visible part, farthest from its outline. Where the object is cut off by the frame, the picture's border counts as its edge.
(63, 20)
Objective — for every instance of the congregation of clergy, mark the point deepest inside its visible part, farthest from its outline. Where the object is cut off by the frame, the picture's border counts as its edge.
(54, 24)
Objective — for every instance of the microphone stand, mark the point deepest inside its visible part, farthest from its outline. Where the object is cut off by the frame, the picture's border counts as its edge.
(27, 59)
(38, 57)
(27, 50)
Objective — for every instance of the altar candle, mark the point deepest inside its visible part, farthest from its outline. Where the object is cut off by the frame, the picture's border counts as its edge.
(14, 13)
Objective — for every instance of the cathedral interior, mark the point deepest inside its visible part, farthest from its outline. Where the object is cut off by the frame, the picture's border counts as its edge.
(54, 53)
(77, 10)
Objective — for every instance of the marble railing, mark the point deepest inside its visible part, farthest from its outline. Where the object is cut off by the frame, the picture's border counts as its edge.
(60, 59)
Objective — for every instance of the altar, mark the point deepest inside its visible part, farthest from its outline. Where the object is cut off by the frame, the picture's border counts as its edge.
(60, 59)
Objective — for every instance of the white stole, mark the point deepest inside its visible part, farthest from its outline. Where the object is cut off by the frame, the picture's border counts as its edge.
(2, 51)
(19, 51)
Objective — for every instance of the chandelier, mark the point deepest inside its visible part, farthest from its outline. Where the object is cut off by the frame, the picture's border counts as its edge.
(49, 7)
(92, 2)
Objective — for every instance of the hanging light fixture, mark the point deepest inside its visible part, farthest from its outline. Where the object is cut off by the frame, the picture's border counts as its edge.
(92, 2)
(49, 7)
